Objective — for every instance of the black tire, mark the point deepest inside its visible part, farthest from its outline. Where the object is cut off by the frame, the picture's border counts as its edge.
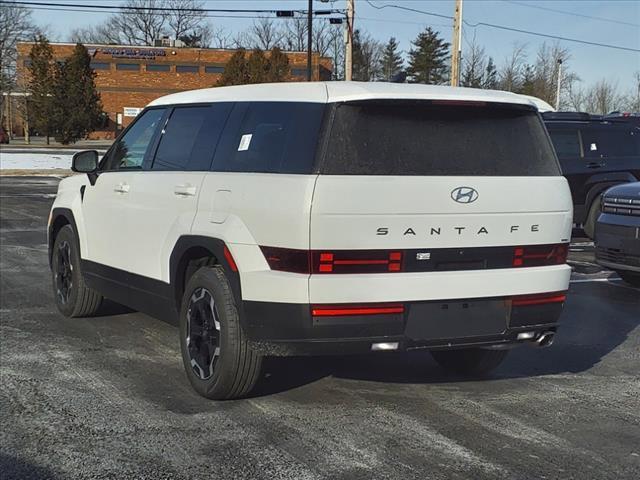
(632, 278)
(469, 361)
(219, 362)
(589, 225)
(73, 297)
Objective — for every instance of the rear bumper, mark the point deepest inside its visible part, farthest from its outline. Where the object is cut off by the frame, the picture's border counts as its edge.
(290, 329)
(618, 242)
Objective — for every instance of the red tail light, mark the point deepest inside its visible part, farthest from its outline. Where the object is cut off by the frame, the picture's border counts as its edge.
(538, 299)
(287, 259)
(356, 261)
(345, 310)
(540, 255)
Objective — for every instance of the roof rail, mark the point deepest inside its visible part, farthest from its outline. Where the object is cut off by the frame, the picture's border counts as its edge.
(577, 116)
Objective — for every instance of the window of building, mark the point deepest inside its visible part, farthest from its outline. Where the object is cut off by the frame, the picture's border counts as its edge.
(187, 68)
(299, 72)
(100, 65)
(270, 137)
(214, 69)
(190, 137)
(128, 66)
(158, 67)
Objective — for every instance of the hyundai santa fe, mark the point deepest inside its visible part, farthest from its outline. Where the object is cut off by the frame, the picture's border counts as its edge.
(322, 218)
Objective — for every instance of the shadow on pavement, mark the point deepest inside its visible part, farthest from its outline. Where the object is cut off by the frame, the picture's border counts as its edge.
(15, 468)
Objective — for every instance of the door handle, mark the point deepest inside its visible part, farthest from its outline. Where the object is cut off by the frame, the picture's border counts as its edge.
(595, 164)
(184, 190)
(121, 188)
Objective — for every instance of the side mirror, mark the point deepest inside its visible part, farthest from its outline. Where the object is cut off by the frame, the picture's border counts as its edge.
(85, 161)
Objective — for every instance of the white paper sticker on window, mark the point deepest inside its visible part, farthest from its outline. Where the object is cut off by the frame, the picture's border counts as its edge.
(593, 147)
(245, 141)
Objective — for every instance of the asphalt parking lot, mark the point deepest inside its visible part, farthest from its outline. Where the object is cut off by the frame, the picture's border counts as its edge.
(106, 397)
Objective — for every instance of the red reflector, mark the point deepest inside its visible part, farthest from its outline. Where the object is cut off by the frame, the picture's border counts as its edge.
(345, 310)
(230, 260)
(538, 299)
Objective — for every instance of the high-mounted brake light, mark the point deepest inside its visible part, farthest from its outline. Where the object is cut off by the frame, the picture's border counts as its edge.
(346, 310)
(540, 255)
(538, 299)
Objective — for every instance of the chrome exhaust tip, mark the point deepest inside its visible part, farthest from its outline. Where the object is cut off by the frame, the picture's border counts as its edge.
(545, 339)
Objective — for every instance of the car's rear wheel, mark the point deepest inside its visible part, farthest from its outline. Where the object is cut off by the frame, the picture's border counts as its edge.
(73, 297)
(217, 356)
(632, 278)
(589, 226)
(469, 361)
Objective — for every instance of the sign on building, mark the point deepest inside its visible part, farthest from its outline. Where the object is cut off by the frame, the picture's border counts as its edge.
(132, 111)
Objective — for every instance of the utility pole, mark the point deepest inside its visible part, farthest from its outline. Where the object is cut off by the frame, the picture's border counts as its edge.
(456, 53)
(309, 38)
(348, 56)
(559, 81)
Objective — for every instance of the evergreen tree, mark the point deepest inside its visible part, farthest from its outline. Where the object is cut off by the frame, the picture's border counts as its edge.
(257, 67)
(278, 70)
(235, 71)
(41, 87)
(391, 62)
(76, 102)
(428, 60)
(490, 81)
(528, 82)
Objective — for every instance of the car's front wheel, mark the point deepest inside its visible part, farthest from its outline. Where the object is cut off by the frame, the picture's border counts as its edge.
(73, 297)
(469, 361)
(217, 356)
(632, 278)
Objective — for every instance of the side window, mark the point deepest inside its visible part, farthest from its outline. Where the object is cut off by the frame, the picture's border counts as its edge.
(190, 137)
(565, 142)
(272, 137)
(130, 150)
(617, 141)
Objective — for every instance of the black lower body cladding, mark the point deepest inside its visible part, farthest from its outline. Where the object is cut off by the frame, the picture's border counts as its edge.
(291, 329)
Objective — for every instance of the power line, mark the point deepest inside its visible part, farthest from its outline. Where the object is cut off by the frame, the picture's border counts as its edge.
(591, 17)
(556, 37)
(156, 9)
(510, 29)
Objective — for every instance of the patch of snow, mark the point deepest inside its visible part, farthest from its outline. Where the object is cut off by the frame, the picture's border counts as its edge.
(34, 161)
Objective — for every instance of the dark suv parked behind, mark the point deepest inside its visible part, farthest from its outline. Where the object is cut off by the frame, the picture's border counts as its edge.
(595, 153)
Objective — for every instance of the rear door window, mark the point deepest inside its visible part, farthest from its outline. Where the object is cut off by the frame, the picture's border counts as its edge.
(190, 137)
(613, 141)
(566, 142)
(270, 137)
(427, 138)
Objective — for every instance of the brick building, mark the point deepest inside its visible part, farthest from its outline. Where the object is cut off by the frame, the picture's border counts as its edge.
(129, 77)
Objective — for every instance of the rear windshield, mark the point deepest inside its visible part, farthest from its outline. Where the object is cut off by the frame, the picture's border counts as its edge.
(423, 138)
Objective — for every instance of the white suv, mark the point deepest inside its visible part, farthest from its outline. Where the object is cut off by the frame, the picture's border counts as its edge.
(320, 218)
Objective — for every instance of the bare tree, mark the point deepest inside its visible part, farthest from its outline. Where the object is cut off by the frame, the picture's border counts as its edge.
(264, 34)
(474, 65)
(602, 98)
(336, 51)
(187, 18)
(295, 34)
(511, 71)
(366, 56)
(220, 38)
(15, 25)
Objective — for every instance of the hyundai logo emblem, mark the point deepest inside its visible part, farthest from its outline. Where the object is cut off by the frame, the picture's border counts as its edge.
(464, 194)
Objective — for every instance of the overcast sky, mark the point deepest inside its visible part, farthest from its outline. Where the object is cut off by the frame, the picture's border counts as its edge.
(619, 27)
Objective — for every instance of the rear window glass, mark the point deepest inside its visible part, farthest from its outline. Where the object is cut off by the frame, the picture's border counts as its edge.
(423, 138)
(565, 142)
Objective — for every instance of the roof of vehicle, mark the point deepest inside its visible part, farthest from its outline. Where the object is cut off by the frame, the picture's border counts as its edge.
(325, 92)
(543, 106)
(571, 117)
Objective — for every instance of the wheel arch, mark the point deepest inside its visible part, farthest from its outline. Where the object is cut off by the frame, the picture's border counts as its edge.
(201, 250)
(59, 218)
